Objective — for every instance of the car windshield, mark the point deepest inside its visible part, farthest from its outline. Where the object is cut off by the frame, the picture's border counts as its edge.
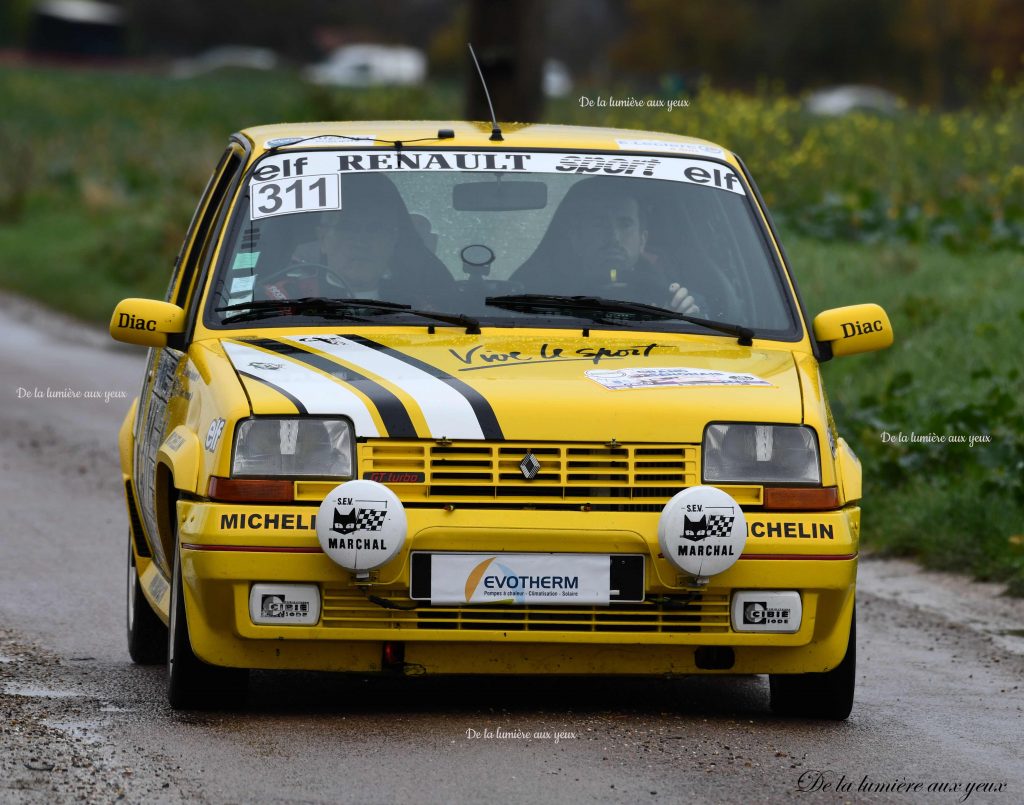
(484, 234)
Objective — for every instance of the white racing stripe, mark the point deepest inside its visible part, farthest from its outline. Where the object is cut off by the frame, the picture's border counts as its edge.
(448, 413)
(319, 394)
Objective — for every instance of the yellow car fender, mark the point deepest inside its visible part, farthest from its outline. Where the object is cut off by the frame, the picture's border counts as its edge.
(182, 454)
(849, 471)
(126, 439)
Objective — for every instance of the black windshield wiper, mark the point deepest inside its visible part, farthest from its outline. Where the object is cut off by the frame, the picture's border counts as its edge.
(472, 325)
(315, 305)
(598, 309)
(338, 308)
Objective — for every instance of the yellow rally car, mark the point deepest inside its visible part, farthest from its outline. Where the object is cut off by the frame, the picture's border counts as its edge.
(423, 400)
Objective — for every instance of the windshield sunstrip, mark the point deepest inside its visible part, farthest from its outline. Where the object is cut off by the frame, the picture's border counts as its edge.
(676, 169)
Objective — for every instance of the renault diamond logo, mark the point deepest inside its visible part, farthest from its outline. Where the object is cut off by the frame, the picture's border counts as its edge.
(529, 466)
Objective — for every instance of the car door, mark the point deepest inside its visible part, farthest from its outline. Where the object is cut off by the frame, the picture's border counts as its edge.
(166, 381)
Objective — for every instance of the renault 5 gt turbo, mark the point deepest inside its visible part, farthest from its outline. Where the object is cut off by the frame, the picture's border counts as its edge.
(425, 398)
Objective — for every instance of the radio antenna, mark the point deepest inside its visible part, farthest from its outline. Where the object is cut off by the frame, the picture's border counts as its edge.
(495, 129)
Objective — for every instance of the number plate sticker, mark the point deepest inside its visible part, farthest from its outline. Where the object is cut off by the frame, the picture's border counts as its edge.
(526, 578)
(294, 194)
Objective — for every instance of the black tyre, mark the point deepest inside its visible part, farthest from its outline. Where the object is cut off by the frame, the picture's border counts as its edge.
(147, 635)
(827, 695)
(191, 683)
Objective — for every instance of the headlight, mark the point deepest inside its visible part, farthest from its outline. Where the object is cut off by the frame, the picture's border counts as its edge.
(761, 454)
(293, 448)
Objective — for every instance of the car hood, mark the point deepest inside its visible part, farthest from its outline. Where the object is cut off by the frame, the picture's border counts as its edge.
(646, 387)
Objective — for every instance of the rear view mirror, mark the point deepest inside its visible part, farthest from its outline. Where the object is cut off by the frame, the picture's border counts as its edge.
(146, 322)
(500, 195)
(854, 329)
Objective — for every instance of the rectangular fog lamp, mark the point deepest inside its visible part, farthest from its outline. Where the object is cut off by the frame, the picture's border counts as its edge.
(284, 604)
(767, 611)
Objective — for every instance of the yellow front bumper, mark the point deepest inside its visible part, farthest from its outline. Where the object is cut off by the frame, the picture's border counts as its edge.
(223, 555)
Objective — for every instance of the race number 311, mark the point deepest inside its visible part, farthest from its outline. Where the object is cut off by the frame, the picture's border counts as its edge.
(298, 194)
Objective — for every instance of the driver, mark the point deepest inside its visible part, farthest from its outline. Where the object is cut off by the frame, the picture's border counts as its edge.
(368, 249)
(358, 245)
(596, 239)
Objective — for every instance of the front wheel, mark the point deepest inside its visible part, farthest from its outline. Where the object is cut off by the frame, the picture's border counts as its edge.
(827, 695)
(147, 635)
(191, 683)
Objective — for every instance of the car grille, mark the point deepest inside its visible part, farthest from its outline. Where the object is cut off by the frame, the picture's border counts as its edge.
(705, 613)
(624, 477)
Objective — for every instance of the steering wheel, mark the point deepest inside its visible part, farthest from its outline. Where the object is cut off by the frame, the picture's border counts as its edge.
(713, 293)
(719, 300)
(306, 279)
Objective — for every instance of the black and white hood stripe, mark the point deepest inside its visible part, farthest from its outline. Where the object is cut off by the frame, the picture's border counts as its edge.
(322, 373)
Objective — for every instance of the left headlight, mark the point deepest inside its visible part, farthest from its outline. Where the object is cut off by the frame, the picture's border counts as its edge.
(293, 448)
(746, 453)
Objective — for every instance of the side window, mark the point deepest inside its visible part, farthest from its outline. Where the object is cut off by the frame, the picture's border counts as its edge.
(199, 230)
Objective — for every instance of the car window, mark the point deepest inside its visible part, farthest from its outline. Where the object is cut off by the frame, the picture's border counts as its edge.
(446, 230)
(199, 228)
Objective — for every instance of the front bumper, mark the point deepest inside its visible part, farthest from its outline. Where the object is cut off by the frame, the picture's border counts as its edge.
(679, 629)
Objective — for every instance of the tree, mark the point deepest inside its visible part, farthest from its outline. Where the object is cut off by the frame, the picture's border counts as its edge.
(508, 37)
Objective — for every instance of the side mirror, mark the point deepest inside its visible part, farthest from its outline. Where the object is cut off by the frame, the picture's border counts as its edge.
(146, 322)
(853, 329)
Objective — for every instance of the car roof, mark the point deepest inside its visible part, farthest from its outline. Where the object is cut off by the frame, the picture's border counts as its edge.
(477, 135)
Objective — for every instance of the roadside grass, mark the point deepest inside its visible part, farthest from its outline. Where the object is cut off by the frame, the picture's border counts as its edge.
(954, 371)
(99, 174)
(954, 178)
(84, 264)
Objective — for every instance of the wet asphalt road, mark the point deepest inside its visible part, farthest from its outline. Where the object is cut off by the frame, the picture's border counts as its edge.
(940, 698)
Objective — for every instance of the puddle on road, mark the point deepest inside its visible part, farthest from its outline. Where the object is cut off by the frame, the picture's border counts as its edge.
(113, 708)
(34, 692)
(87, 731)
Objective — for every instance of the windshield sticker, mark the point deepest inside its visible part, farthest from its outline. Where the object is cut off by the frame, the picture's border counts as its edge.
(619, 379)
(324, 139)
(242, 284)
(245, 260)
(298, 194)
(280, 172)
(700, 149)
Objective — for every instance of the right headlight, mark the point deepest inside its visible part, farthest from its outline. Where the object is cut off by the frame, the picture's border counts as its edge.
(301, 447)
(748, 453)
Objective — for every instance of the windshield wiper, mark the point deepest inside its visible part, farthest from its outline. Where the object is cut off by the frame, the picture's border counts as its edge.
(315, 305)
(598, 309)
(338, 308)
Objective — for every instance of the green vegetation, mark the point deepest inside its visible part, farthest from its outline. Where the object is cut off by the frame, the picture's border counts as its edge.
(100, 172)
(955, 178)
(954, 371)
(923, 213)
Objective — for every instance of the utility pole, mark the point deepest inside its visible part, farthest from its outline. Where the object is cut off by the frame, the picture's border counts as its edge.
(508, 37)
